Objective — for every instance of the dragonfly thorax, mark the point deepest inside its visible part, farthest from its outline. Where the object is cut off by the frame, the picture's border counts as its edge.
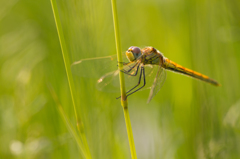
(152, 56)
(133, 53)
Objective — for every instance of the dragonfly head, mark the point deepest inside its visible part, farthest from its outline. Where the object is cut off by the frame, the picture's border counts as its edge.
(133, 53)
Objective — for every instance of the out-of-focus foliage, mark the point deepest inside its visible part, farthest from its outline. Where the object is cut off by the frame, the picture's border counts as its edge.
(187, 119)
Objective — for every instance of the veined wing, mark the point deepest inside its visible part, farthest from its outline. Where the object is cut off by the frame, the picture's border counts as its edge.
(157, 83)
(94, 67)
(110, 81)
(105, 70)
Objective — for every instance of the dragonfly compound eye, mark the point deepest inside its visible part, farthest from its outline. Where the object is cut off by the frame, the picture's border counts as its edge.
(133, 53)
(136, 50)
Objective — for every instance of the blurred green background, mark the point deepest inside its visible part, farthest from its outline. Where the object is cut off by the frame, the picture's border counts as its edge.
(187, 119)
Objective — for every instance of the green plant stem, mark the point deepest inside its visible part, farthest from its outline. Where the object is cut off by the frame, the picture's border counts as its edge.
(122, 82)
(80, 127)
(130, 134)
(66, 120)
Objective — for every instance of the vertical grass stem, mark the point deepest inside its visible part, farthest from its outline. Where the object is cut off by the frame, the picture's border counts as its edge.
(80, 127)
(122, 82)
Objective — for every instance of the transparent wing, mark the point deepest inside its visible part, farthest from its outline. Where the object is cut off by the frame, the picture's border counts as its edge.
(94, 67)
(110, 81)
(157, 83)
(150, 74)
(105, 70)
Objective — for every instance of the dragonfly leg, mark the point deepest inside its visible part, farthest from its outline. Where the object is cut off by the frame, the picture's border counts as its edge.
(124, 63)
(142, 73)
(144, 82)
(139, 81)
(130, 67)
(127, 72)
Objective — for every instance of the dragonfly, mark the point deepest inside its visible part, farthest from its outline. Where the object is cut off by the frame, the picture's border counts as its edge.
(145, 69)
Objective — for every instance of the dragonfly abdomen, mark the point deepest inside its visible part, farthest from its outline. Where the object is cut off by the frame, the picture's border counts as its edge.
(172, 66)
